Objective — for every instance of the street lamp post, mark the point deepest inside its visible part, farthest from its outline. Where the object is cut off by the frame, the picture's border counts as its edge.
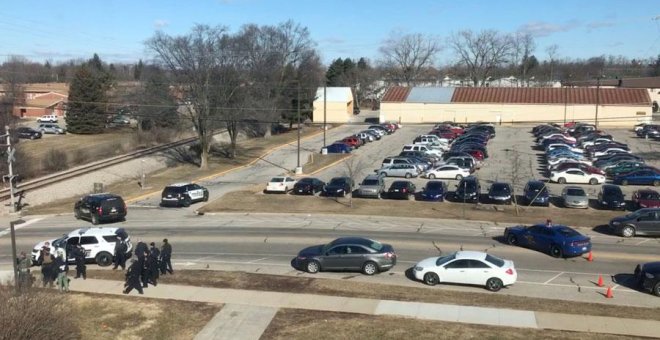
(298, 168)
(325, 103)
(597, 98)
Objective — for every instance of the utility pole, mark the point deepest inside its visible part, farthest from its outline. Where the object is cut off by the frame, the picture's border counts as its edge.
(597, 99)
(298, 168)
(10, 162)
(325, 102)
(13, 254)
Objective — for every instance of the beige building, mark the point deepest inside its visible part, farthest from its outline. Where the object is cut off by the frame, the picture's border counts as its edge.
(607, 106)
(337, 104)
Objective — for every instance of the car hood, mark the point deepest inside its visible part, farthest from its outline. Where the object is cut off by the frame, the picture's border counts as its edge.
(517, 228)
(312, 251)
(427, 263)
(577, 198)
(432, 192)
(329, 187)
(650, 203)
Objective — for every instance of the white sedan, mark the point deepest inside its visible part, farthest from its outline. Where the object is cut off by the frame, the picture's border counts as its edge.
(574, 175)
(449, 171)
(563, 146)
(467, 267)
(280, 184)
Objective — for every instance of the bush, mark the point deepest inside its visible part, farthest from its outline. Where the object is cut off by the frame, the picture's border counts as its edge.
(80, 157)
(36, 314)
(55, 160)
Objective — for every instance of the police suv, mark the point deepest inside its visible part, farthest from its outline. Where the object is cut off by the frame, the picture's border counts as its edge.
(183, 194)
(99, 244)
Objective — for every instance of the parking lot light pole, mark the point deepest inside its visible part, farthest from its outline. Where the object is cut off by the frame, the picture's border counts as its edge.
(13, 254)
(597, 99)
(325, 102)
(298, 109)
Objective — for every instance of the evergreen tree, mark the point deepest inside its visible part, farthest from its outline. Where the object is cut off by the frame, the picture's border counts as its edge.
(137, 71)
(334, 74)
(87, 97)
(161, 108)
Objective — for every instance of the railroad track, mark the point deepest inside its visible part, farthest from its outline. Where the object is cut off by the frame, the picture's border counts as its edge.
(89, 167)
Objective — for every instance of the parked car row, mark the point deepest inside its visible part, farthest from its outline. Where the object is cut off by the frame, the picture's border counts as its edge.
(645, 130)
(352, 142)
(582, 154)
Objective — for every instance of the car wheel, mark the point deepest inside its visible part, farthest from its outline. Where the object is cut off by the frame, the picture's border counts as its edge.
(103, 259)
(512, 239)
(313, 267)
(555, 251)
(431, 176)
(186, 202)
(431, 279)
(656, 289)
(384, 174)
(32, 137)
(494, 284)
(370, 268)
(628, 231)
(656, 183)
(380, 195)
(408, 175)
(561, 180)
(459, 177)
(624, 182)
(593, 181)
(206, 197)
(95, 219)
(76, 213)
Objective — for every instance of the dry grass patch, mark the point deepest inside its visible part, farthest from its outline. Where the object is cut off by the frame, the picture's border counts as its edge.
(289, 284)
(307, 324)
(248, 151)
(105, 317)
(317, 162)
(247, 201)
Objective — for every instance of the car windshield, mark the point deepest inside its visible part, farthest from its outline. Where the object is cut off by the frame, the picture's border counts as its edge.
(495, 260)
(337, 181)
(277, 179)
(575, 192)
(468, 185)
(567, 232)
(173, 190)
(399, 184)
(370, 182)
(434, 186)
(501, 188)
(538, 187)
(649, 195)
(444, 259)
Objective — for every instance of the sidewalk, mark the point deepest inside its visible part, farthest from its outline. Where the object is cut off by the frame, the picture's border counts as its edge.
(235, 318)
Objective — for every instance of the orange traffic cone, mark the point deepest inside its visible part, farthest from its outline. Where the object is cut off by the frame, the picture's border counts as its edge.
(609, 293)
(590, 258)
(600, 280)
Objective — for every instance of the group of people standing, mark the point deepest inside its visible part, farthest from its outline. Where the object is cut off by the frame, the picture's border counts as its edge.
(54, 267)
(147, 266)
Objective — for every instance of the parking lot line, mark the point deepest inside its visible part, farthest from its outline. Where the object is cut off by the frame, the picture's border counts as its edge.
(625, 290)
(554, 277)
(643, 241)
(257, 260)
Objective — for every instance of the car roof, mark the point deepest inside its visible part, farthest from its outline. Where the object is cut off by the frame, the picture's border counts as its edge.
(470, 255)
(373, 176)
(92, 231)
(103, 195)
(179, 184)
(352, 240)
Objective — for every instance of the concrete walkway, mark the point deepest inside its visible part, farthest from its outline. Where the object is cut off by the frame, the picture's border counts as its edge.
(238, 320)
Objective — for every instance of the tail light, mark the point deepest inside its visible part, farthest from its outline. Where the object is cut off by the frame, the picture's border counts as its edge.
(404, 190)
(509, 271)
(389, 255)
(100, 210)
(125, 208)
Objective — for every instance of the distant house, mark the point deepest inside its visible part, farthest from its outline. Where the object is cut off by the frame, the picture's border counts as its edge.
(336, 106)
(41, 99)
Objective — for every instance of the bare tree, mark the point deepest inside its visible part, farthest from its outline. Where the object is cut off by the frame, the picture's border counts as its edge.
(552, 55)
(202, 64)
(408, 56)
(481, 53)
(524, 45)
(352, 169)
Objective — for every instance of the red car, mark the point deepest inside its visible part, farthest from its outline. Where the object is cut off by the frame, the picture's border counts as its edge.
(646, 198)
(478, 155)
(352, 141)
(391, 126)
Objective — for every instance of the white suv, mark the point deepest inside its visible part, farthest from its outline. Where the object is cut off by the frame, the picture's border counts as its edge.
(423, 148)
(99, 244)
(47, 119)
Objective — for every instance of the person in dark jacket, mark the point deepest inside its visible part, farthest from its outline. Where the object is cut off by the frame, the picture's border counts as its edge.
(61, 267)
(154, 263)
(120, 254)
(79, 256)
(165, 258)
(145, 275)
(133, 278)
(46, 260)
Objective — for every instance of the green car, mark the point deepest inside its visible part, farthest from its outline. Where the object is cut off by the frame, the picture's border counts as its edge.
(622, 168)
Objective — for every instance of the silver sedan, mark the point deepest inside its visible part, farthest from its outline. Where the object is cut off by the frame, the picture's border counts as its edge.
(575, 197)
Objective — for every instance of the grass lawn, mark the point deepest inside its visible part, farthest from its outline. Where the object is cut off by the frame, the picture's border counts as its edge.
(288, 284)
(248, 151)
(246, 200)
(110, 317)
(308, 324)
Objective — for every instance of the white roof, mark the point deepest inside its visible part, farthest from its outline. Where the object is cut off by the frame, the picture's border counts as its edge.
(335, 94)
(93, 231)
(178, 184)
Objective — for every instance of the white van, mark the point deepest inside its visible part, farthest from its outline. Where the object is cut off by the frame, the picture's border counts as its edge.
(47, 119)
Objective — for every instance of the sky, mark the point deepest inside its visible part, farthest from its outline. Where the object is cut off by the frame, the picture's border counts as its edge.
(117, 29)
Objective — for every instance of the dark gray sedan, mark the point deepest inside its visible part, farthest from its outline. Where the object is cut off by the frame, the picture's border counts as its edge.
(347, 253)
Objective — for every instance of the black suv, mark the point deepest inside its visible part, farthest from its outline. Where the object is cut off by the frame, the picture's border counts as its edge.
(27, 133)
(99, 208)
(468, 190)
(183, 194)
(611, 197)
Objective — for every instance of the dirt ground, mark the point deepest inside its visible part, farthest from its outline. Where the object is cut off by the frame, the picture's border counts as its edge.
(288, 284)
(107, 317)
(248, 151)
(318, 162)
(255, 201)
(305, 324)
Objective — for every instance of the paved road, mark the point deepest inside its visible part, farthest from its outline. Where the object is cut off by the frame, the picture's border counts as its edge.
(268, 242)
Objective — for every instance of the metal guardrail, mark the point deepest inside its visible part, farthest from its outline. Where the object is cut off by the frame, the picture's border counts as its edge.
(89, 167)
